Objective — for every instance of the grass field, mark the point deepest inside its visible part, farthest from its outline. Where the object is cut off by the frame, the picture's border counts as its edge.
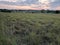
(29, 29)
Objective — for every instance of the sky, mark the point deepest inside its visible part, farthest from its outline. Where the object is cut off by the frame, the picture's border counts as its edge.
(30, 4)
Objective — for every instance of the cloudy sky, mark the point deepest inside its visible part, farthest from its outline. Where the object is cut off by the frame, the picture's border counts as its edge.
(30, 4)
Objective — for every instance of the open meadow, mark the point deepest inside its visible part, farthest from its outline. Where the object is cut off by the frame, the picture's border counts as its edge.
(29, 28)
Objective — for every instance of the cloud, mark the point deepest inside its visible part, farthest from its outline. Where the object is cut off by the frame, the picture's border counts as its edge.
(14, 7)
(55, 4)
(43, 1)
(57, 8)
(45, 4)
(21, 7)
(3, 6)
(30, 4)
(19, 2)
(9, 0)
(52, 0)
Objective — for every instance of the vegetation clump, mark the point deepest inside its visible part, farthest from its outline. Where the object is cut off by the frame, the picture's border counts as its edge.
(29, 29)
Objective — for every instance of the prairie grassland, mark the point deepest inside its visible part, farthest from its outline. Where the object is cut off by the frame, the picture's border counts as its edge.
(29, 29)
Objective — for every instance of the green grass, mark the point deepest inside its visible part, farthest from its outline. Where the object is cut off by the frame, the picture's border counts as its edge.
(29, 29)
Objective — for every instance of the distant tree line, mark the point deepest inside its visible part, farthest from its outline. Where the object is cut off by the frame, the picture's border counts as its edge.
(31, 11)
(50, 11)
(5, 10)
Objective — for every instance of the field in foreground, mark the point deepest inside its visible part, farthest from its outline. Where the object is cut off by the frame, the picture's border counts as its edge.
(29, 29)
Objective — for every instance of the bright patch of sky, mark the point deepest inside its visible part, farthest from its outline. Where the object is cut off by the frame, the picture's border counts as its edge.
(46, 1)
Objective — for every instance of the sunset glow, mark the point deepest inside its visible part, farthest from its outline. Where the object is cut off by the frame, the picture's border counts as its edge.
(29, 4)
